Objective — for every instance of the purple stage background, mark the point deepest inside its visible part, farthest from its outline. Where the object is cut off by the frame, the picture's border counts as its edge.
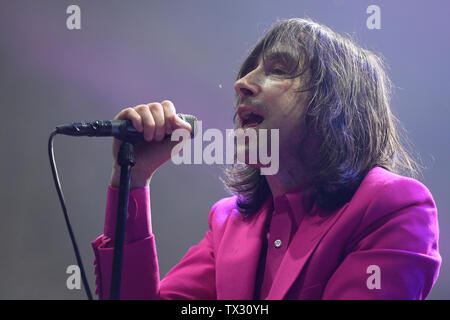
(132, 52)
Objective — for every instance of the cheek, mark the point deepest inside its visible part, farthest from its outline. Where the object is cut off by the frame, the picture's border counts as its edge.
(295, 114)
(284, 105)
(293, 127)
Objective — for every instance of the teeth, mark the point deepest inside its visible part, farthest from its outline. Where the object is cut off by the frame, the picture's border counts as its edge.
(252, 118)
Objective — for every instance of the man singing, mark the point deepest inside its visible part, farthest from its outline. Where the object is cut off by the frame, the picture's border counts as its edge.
(342, 218)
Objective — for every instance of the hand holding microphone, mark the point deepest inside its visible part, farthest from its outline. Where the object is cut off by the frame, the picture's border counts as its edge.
(155, 121)
(148, 125)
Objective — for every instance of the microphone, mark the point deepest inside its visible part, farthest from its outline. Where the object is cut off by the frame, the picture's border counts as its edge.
(120, 129)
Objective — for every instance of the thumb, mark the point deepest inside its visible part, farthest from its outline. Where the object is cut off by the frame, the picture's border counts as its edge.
(177, 122)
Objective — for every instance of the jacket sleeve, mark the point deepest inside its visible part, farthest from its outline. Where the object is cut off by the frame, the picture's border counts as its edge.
(192, 278)
(394, 254)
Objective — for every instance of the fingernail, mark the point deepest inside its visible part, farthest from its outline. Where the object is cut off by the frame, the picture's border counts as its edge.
(159, 136)
(168, 127)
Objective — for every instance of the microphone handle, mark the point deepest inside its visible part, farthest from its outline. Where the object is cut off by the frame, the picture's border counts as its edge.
(124, 130)
(120, 129)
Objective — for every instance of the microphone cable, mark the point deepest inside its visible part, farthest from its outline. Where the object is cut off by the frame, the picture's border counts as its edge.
(121, 129)
(66, 216)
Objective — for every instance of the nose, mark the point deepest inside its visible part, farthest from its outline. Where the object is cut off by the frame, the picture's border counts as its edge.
(246, 86)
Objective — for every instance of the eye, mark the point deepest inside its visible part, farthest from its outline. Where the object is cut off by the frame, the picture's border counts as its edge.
(278, 71)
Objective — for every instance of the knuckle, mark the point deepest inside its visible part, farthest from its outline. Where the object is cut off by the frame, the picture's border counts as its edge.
(141, 107)
(167, 103)
(126, 113)
(169, 108)
(128, 110)
(155, 106)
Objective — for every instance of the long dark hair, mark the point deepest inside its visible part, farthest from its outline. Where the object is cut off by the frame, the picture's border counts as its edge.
(348, 110)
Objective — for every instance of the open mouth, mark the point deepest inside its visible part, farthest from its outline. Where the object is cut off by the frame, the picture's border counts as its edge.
(249, 117)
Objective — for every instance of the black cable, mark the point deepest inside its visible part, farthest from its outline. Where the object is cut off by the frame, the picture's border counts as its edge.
(66, 217)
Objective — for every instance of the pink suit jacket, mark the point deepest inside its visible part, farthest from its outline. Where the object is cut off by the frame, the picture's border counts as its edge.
(390, 223)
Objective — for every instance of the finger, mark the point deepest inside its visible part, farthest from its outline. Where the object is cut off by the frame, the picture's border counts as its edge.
(131, 114)
(158, 115)
(169, 112)
(147, 121)
(177, 122)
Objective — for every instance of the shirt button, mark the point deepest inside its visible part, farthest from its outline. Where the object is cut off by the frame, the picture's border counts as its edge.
(277, 243)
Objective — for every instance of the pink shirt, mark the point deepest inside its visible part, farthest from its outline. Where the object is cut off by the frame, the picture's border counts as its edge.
(287, 214)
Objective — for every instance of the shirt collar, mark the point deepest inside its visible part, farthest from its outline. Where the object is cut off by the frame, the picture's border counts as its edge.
(292, 202)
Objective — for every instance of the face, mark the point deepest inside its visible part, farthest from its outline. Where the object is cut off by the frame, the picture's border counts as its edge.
(268, 100)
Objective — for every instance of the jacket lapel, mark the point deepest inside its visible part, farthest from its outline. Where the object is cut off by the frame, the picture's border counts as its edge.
(309, 234)
(238, 256)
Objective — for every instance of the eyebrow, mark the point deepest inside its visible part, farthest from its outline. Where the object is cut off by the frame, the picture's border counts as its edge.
(284, 56)
(270, 55)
